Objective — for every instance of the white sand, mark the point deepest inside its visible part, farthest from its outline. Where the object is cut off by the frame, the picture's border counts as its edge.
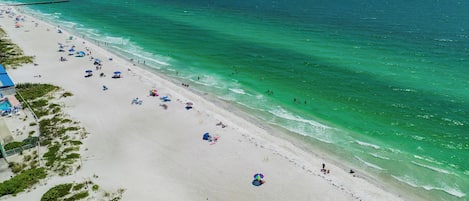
(157, 154)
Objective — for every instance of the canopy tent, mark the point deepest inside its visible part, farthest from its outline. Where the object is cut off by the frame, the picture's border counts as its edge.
(165, 99)
(81, 54)
(117, 74)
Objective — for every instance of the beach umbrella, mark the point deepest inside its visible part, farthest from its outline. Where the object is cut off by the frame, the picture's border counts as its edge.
(81, 54)
(71, 50)
(88, 71)
(259, 176)
(117, 72)
(97, 60)
(206, 136)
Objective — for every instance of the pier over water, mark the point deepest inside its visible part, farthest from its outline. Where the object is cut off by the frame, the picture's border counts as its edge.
(35, 3)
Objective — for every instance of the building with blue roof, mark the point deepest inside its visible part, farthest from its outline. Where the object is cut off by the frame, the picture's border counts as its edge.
(7, 87)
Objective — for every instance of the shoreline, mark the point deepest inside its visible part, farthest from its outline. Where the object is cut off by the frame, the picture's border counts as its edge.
(233, 121)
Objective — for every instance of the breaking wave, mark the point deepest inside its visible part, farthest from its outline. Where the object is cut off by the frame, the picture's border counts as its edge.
(409, 181)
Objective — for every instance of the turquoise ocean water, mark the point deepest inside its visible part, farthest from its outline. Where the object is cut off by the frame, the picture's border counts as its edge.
(382, 85)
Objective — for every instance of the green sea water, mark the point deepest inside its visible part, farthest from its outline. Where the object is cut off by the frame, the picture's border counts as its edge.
(382, 85)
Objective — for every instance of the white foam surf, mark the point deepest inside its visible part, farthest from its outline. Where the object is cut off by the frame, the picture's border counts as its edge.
(369, 164)
(411, 182)
(379, 156)
(432, 168)
(367, 144)
(238, 91)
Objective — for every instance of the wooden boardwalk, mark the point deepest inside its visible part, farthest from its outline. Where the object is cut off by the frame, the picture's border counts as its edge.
(35, 3)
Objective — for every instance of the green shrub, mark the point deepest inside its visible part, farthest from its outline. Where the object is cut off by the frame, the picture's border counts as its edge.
(78, 196)
(57, 192)
(67, 94)
(45, 142)
(13, 145)
(51, 155)
(16, 167)
(64, 121)
(75, 142)
(78, 186)
(56, 110)
(22, 181)
(32, 124)
(27, 158)
(73, 128)
(31, 91)
(12, 56)
(72, 156)
(39, 103)
(95, 187)
(53, 105)
(68, 149)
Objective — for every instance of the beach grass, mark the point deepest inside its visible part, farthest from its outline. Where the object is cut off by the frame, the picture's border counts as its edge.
(73, 191)
(10, 54)
(58, 133)
(56, 130)
(22, 181)
(57, 192)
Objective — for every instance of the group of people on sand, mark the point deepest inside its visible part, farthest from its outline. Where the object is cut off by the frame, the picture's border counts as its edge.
(209, 138)
(324, 170)
(327, 171)
(137, 101)
(221, 124)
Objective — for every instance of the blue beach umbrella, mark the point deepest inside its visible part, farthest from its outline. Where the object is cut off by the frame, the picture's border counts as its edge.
(117, 72)
(259, 176)
(206, 136)
(88, 71)
(71, 50)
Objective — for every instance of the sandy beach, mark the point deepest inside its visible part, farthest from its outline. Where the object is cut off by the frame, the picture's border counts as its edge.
(159, 154)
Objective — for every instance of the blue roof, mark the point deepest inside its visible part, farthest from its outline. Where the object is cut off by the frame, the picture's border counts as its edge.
(5, 80)
(2, 69)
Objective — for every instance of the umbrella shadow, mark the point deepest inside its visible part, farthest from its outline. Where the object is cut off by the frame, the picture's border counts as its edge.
(257, 182)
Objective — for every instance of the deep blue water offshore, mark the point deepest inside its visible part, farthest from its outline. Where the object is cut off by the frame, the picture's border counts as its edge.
(382, 85)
